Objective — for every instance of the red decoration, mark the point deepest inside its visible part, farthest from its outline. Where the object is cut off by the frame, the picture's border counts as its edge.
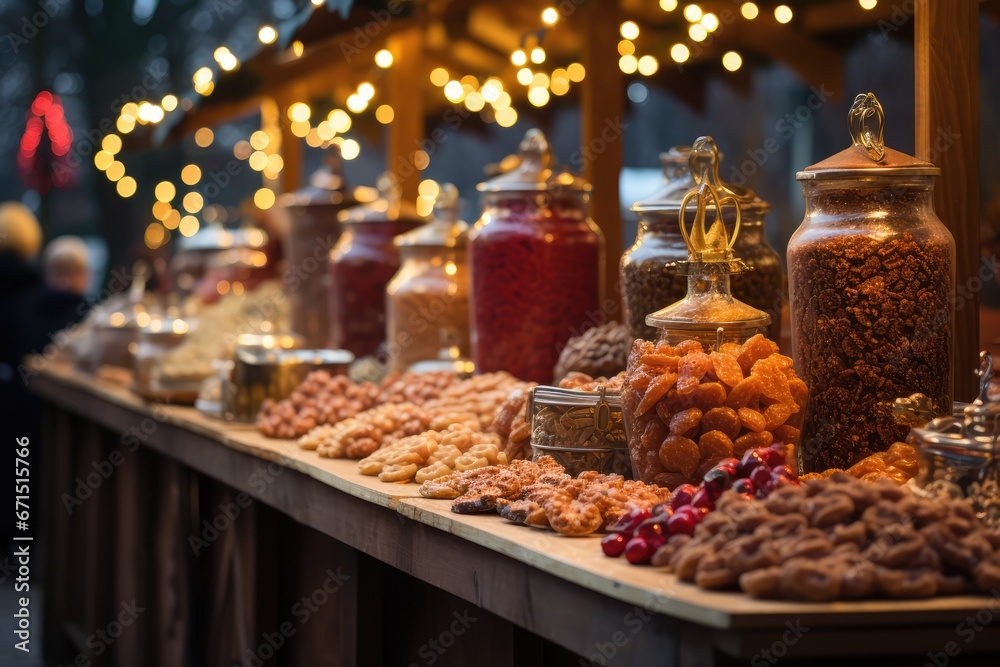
(46, 115)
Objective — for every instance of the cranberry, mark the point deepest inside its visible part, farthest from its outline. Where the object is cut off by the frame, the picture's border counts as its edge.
(683, 495)
(729, 465)
(703, 499)
(613, 544)
(751, 460)
(744, 485)
(682, 524)
(638, 551)
(777, 455)
(784, 471)
(630, 521)
(760, 476)
(652, 530)
(716, 481)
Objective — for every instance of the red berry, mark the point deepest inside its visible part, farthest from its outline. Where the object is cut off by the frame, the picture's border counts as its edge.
(638, 551)
(682, 524)
(760, 476)
(729, 465)
(703, 499)
(628, 523)
(744, 486)
(777, 455)
(683, 495)
(613, 545)
(652, 530)
(751, 460)
(784, 471)
(716, 481)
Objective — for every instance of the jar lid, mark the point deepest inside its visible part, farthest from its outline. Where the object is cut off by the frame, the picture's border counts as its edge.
(868, 154)
(445, 230)
(213, 236)
(532, 172)
(387, 207)
(679, 180)
(327, 185)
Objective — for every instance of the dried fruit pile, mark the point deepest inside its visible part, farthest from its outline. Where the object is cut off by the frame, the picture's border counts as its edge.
(320, 399)
(364, 433)
(641, 532)
(433, 454)
(899, 463)
(687, 409)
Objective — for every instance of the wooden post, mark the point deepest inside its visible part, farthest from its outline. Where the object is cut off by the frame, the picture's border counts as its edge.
(406, 81)
(291, 147)
(947, 134)
(603, 128)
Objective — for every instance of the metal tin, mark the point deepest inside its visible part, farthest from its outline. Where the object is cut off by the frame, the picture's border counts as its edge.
(155, 340)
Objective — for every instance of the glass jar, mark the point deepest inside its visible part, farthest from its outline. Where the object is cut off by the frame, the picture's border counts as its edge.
(427, 301)
(536, 260)
(871, 273)
(648, 269)
(361, 266)
(313, 229)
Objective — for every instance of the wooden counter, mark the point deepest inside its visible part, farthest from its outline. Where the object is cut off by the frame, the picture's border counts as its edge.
(181, 469)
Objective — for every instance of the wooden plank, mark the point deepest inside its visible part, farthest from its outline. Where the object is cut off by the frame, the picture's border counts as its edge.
(946, 53)
(58, 561)
(406, 82)
(603, 132)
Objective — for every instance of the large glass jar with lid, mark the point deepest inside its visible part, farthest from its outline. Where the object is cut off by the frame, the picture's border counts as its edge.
(427, 301)
(313, 229)
(648, 269)
(871, 273)
(535, 259)
(361, 266)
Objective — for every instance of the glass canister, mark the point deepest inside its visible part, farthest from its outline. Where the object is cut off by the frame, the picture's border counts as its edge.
(313, 229)
(871, 272)
(361, 266)
(427, 301)
(536, 259)
(648, 269)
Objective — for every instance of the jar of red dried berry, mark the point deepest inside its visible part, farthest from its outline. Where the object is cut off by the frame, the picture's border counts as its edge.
(362, 264)
(535, 258)
(871, 272)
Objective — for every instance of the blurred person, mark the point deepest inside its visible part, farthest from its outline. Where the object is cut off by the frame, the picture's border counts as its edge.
(66, 263)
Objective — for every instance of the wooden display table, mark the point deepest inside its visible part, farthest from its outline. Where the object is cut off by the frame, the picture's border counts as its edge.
(233, 544)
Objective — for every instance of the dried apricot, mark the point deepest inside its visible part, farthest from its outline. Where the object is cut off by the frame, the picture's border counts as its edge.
(660, 361)
(654, 434)
(751, 441)
(688, 347)
(715, 446)
(680, 454)
(747, 392)
(685, 422)
(640, 379)
(755, 349)
(787, 434)
(752, 420)
(731, 349)
(670, 480)
(691, 370)
(799, 391)
(774, 384)
(776, 415)
(726, 368)
(722, 419)
(709, 395)
(655, 391)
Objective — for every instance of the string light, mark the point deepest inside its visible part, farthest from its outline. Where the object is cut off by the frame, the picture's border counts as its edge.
(680, 53)
(628, 64)
(299, 112)
(263, 198)
(383, 58)
(629, 30)
(697, 32)
(648, 65)
(524, 76)
(626, 47)
(783, 13)
(550, 16)
(366, 91)
(350, 149)
(439, 76)
(103, 160)
(169, 102)
(749, 11)
(357, 103)
(506, 117)
(538, 55)
(453, 91)
(126, 186)
(165, 192)
(191, 174)
(204, 137)
(267, 34)
(710, 22)
(112, 143)
(868, 4)
(692, 13)
(193, 202)
(258, 160)
(340, 120)
(732, 61)
(668, 5)
(259, 140)
(576, 72)
(115, 171)
(188, 225)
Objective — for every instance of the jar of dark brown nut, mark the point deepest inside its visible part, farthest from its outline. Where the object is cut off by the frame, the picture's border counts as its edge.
(871, 273)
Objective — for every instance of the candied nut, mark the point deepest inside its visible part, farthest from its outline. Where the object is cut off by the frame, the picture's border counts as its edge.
(752, 441)
(764, 583)
(785, 500)
(752, 420)
(680, 454)
(906, 584)
(829, 509)
(665, 553)
(722, 419)
(712, 574)
(896, 551)
(685, 422)
(810, 543)
(859, 580)
(744, 394)
(398, 472)
(811, 580)
(435, 470)
(987, 574)
(714, 446)
(855, 533)
(948, 547)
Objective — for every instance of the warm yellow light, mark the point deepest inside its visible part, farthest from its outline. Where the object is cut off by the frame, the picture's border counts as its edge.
(697, 32)
(648, 65)
(868, 4)
(299, 111)
(439, 76)
(749, 11)
(538, 96)
(629, 30)
(229, 63)
(144, 112)
(453, 91)
(550, 16)
(425, 206)
(154, 236)
(503, 101)
(204, 137)
(130, 110)
(732, 61)
(783, 13)
(339, 120)
(313, 139)
(202, 76)
(188, 225)
(298, 48)
(173, 219)
(115, 171)
(524, 76)
(540, 80)
(193, 202)
(538, 55)
(318, 3)
(679, 53)
(474, 101)
(491, 90)
(384, 114)
(125, 124)
(275, 163)
(628, 64)
(191, 174)
(165, 191)
(626, 47)
(668, 5)
(161, 210)
(300, 128)
(506, 117)
(242, 150)
(350, 149)
(421, 160)
(267, 34)
(356, 103)
(429, 188)
(383, 58)
(710, 22)
(576, 72)
(258, 160)
(221, 54)
(103, 160)
(112, 144)
(559, 86)
(693, 13)
(205, 88)
(264, 198)
(259, 140)
(519, 58)
(169, 102)
(366, 91)
(325, 132)
(126, 186)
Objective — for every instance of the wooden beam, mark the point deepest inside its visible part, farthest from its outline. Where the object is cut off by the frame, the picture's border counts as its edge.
(291, 146)
(603, 128)
(946, 51)
(406, 83)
